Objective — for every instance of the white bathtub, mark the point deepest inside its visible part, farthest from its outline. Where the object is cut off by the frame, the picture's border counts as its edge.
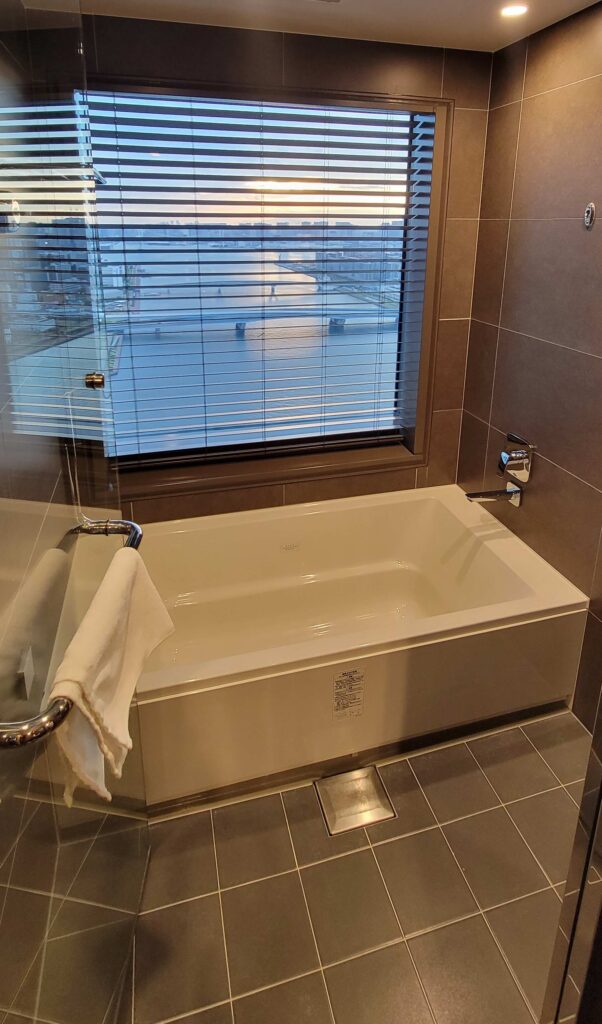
(308, 633)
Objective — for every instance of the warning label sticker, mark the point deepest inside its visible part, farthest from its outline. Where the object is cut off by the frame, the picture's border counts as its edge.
(348, 694)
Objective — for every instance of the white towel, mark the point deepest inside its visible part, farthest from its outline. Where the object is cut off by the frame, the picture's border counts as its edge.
(126, 620)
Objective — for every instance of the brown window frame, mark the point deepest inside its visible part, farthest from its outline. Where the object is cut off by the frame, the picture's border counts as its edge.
(300, 460)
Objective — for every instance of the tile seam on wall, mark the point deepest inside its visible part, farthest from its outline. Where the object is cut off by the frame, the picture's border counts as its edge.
(535, 337)
(474, 269)
(501, 303)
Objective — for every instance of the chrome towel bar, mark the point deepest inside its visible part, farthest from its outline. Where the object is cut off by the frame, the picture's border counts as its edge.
(18, 734)
(110, 527)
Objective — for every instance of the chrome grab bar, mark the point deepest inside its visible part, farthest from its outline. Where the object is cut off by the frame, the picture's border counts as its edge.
(18, 734)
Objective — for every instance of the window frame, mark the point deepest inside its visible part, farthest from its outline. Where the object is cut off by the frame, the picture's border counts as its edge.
(283, 461)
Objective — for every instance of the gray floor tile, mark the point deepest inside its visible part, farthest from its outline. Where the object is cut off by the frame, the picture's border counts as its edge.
(182, 861)
(379, 988)
(180, 960)
(303, 1001)
(268, 933)
(252, 840)
(564, 743)
(75, 977)
(465, 976)
(548, 824)
(310, 836)
(36, 852)
(424, 881)
(453, 782)
(526, 930)
(25, 919)
(349, 907)
(496, 862)
(511, 764)
(113, 872)
(70, 916)
(413, 812)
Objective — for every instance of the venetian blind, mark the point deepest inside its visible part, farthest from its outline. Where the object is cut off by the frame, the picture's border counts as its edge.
(262, 269)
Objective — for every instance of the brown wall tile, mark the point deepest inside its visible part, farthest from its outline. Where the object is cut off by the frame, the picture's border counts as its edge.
(500, 159)
(589, 680)
(480, 366)
(559, 518)
(163, 51)
(466, 167)
(489, 272)
(458, 265)
(552, 288)
(473, 453)
(566, 52)
(443, 451)
(553, 397)
(466, 78)
(508, 74)
(596, 596)
(321, 62)
(349, 486)
(560, 131)
(207, 503)
(450, 367)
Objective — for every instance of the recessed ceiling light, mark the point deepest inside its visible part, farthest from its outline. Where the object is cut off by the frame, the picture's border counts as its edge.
(514, 10)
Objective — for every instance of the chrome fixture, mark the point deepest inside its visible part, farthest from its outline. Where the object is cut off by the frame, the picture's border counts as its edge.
(512, 493)
(111, 527)
(589, 216)
(514, 462)
(18, 734)
(95, 381)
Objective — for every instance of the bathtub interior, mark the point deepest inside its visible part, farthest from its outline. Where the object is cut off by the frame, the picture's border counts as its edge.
(260, 589)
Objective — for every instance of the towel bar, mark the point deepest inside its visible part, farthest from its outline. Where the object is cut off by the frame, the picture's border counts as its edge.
(109, 527)
(17, 734)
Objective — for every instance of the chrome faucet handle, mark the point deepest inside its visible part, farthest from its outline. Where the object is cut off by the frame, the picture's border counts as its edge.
(514, 462)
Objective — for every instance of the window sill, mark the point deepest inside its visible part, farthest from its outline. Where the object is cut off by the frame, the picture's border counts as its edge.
(157, 481)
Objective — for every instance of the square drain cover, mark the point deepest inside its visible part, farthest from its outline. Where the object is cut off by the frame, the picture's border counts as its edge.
(353, 799)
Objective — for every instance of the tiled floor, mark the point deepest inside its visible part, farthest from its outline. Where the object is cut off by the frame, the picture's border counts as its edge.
(445, 914)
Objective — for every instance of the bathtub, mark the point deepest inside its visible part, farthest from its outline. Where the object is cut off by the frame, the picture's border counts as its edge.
(310, 633)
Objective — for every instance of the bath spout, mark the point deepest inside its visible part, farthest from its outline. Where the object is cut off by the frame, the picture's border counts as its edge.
(511, 493)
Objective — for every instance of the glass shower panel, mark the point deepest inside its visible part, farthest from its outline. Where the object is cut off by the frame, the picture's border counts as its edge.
(70, 877)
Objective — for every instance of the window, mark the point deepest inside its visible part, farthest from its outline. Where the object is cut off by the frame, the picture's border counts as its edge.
(262, 270)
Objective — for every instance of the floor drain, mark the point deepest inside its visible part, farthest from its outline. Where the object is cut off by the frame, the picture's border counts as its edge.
(353, 799)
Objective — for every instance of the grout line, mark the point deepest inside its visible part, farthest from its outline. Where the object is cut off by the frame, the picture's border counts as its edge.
(535, 337)
(545, 92)
(311, 924)
(514, 825)
(549, 766)
(410, 953)
(474, 269)
(481, 912)
(221, 911)
(190, 1013)
(503, 288)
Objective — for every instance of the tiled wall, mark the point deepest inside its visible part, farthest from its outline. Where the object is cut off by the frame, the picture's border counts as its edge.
(132, 52)
(535, 354)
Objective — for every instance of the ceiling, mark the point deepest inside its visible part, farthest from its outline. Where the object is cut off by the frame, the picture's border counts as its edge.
(464, 24)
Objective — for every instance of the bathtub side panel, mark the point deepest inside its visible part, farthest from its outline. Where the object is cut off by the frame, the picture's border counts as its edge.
(219, 737)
